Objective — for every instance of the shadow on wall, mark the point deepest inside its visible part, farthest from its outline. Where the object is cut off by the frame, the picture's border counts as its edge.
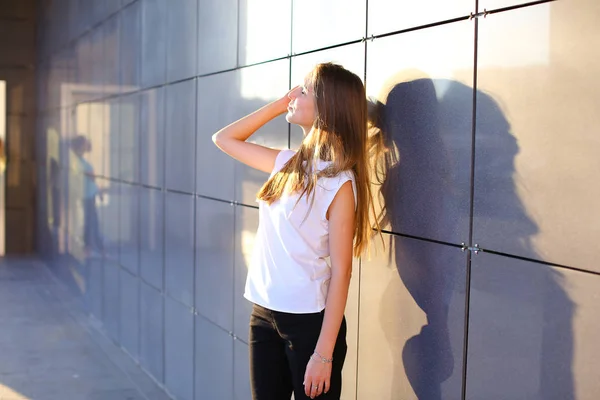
(425, 189)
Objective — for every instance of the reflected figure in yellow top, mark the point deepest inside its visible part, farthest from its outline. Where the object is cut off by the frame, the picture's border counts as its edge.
(92, 238)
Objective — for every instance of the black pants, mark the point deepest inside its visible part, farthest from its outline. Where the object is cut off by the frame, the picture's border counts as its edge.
(280, 347)
(91, 225)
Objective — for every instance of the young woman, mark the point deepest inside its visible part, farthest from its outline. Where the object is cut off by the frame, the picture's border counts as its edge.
(92, 237)
(315, 205)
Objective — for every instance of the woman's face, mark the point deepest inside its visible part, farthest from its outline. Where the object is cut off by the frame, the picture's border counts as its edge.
(302, 108)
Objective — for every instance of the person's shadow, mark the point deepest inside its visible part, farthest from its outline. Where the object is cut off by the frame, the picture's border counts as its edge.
(425, 187)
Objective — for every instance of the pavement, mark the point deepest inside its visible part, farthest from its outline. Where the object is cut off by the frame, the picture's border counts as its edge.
(50, 349)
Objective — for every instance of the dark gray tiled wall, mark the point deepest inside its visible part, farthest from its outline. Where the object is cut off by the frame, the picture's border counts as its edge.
(149, 83)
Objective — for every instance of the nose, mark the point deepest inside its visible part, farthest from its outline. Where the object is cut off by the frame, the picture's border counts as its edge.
(293, 93)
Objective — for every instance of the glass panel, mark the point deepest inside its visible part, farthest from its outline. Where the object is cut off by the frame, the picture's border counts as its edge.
(411, 321)
(214, 378)
(129, 225)
(179, 355)
(153, 68)
(130, 313)
(493, 4)
(181, 39)
(84, 56)
(217, 35)
(533, 326)
(111, 141)
(112, 303)
(320, 24)
(108, 208)
(214, 261)
(390, 16)
(152, 236)
(110, 56)
(217, 98)
(254, 32)
(179, 247)
(102, 9)
(151, 332)
(129, 51)
(422, 83)
(241, 371)
(95, 287)
(181, 131)
(533, 185)
(129, 138)
(152, 137)
(95, 64)
(246, 224)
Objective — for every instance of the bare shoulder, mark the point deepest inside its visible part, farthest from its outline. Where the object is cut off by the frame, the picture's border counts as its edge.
(343, 205)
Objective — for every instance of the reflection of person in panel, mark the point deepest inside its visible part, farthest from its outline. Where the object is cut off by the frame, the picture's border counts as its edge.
(315, 205)
(91, 229)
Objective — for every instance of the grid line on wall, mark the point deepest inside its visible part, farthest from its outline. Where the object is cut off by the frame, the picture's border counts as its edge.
(164, 194)
(120, 103)
(514, 7)
(289, 143)
(424, 239)
(541, 262)
(471, 210)
(138, 190)
(237, 41)
(195, 213)
(359, 287)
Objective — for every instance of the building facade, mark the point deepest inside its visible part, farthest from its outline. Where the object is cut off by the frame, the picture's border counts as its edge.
(485, 285)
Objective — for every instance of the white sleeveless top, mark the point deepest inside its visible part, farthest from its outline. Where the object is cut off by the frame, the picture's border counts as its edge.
(289, 271)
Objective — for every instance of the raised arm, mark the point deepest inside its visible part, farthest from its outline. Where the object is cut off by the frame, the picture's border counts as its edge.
(232, 138)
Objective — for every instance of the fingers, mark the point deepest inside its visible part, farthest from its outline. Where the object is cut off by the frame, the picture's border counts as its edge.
(320, 388)
(313, 389)
(316, 382)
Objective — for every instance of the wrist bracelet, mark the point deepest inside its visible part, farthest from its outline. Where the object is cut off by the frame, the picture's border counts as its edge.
(323, 359)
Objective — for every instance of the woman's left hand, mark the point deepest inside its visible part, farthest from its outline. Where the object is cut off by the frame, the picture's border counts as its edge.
(316, 378)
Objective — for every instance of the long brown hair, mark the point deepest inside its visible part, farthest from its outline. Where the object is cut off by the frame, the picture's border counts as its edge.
(339, 135)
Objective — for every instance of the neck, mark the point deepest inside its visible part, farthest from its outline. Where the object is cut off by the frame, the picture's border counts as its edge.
(307, 130)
